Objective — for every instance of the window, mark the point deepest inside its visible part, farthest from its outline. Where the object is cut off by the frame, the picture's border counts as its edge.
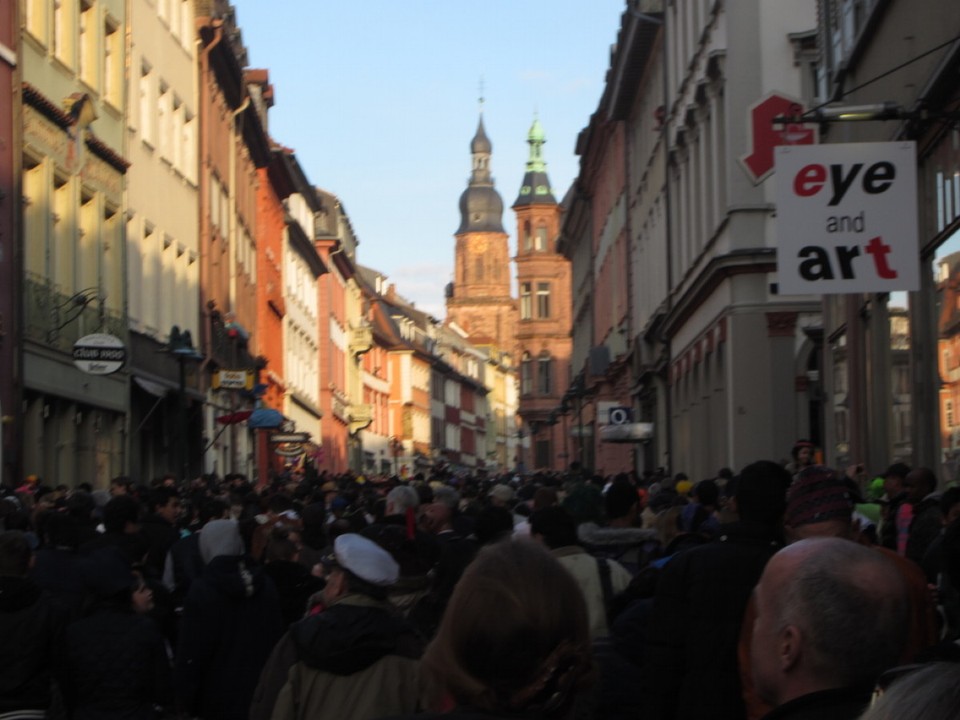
(543, 300)
(542, 454)
(164, 120)
(949, 413)
(478, 269)
(146, 105)
(526, 374)
(527, 238)
(540, 243)
(112, 64)
(88, 44)
(544, 375)
(35, 18)
(526, 301)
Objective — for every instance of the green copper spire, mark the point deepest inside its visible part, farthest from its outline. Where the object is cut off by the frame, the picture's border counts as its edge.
(536, 139)
(535, 189)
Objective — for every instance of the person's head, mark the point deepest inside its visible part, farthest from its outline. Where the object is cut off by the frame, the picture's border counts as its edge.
(554, 527)
(707, 493)
(120, 485)
(448, 496)
(545, 497)
(893, 478)
(761, 492)
(919, 483)
(802, 453)
(830, 613)
(514, 637)
(819, 504)
(220, 537)
(435, 517)
(492, 524)
(621, 501)
(926, 692)
(401, 499)
(281, 545)
(121, 514)
(15, 554)
(358, 565)
(108, 579)
(502, 496)
(950, 505)
(165, 502)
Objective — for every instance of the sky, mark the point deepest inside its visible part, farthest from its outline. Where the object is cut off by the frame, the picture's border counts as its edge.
(380, 99)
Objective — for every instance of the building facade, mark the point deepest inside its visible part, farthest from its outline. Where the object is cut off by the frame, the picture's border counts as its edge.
(9, 251)
(889, 377)
(688, 330)
(72, 60)
(543, 343)
(232, 146)
(163, 254)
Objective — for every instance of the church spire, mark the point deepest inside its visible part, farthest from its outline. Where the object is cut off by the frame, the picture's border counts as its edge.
(481, 207)
(535, 188)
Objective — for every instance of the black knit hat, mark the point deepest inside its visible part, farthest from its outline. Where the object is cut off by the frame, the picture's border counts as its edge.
(817, 494)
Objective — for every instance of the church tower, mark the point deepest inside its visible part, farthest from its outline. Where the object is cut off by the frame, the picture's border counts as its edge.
(544, 341)
(479, 298)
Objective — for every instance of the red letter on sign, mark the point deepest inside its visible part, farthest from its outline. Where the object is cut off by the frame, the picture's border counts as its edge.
(809, 180)
(879, 251)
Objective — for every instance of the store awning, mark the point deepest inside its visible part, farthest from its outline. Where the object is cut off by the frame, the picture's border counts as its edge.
(266, 418)
(234, 418)
(626, 433)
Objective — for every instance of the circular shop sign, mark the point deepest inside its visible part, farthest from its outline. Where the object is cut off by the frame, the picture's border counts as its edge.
(99, 354)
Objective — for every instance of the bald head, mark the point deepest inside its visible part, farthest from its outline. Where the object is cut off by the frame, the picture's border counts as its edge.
(830, 613)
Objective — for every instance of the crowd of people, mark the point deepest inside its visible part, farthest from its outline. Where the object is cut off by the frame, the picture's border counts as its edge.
(780, 591)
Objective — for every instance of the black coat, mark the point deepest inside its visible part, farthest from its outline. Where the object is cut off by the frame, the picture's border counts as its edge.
(115, 666)
(31, 629)
(691, 668)
(231, 621)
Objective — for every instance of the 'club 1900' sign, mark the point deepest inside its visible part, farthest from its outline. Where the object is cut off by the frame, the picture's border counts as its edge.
(99, 354)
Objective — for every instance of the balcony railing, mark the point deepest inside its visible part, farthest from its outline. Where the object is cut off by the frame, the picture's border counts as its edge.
(58, 319)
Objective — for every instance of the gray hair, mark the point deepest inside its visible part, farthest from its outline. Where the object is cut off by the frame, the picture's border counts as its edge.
(402, 498)
(927, 693)
(448, 496)
(850, 603)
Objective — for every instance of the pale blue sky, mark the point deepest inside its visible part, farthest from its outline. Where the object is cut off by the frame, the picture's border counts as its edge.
(379, 99)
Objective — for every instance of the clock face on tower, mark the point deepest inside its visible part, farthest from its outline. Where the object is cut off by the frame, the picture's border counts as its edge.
(480, 245)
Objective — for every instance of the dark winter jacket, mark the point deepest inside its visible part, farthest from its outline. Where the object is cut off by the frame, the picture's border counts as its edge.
(691, 666)
(834, 704)
(160, 536)
(115, 666)
(31, 629)
(57, 572)
(231, 621)
(357, 659)
(295, 585)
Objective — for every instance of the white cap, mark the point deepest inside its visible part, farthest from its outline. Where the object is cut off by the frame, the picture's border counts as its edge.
(365, 559)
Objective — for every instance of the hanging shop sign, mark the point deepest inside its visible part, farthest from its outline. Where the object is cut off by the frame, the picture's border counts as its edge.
(233, 380)
(847, 218)
(99, 354)
(289, 450)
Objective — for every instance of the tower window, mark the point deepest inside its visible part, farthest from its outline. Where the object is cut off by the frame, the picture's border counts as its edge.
(543, 300)
(526, 374)
(540, 244)
(526, 301)
(478, 264)
(527, 238)
(545, 375)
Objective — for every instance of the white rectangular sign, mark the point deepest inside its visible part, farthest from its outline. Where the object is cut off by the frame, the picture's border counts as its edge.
(847, 218)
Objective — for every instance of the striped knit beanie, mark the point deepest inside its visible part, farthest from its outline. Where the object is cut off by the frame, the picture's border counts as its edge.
(816, 495)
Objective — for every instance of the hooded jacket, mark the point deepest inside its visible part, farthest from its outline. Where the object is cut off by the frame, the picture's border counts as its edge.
(358, 659)
(231, 621)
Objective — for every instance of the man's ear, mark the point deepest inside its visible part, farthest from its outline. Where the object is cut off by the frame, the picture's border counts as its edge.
(790, 644)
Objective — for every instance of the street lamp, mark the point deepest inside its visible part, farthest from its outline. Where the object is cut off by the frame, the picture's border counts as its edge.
(181, 347)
